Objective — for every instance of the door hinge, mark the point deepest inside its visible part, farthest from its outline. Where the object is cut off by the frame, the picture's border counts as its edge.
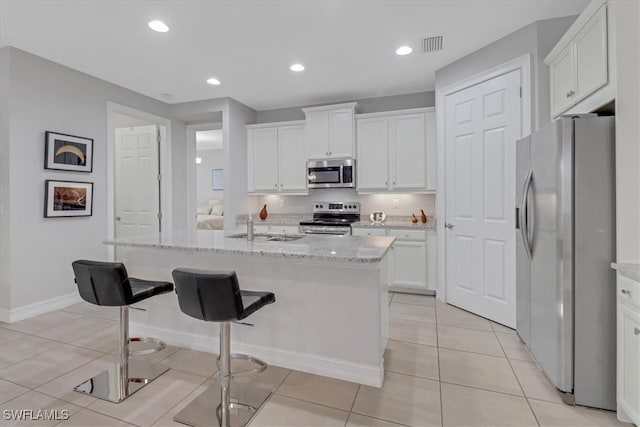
(158, 134)
(160, 216)
(520, 91)
(159, 177)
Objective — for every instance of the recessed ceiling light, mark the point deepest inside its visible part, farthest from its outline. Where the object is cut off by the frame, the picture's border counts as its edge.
(213, 81)
(158, 26)
(404, 50)
(297, 67)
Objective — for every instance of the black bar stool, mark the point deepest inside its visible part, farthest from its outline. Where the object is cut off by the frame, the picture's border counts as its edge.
(216, 297)
(107, 284)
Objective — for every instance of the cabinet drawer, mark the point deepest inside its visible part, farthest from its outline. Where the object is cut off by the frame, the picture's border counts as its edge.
(284, 229)
(408, 234)
(628, 290)
(260, 228)
(369, 232)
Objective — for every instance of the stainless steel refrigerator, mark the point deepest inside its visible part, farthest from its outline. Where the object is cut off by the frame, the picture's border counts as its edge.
(565, 232)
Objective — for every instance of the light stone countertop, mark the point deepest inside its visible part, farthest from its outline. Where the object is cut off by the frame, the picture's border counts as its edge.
(351, 249)
(632, 271)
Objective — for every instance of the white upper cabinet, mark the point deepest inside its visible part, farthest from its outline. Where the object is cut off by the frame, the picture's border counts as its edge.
(330, 131)
(396, 151)
(579, 64)
(372, 168)
(263, 161)
(277, 158)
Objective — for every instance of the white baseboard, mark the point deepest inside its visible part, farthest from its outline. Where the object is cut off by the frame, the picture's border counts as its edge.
(313, 364)
(41, 307)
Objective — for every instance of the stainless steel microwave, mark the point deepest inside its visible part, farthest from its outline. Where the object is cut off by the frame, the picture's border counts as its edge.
(334, 173)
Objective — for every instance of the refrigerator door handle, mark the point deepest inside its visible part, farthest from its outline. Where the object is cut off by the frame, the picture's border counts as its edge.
(531, 211)
(524, 226)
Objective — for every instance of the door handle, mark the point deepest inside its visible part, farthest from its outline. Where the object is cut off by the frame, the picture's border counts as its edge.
(636, 331)
(118, 218)
(449, 225)
(524, 225)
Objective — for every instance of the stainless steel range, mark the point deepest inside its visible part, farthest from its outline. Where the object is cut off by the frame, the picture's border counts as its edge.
(332, 218)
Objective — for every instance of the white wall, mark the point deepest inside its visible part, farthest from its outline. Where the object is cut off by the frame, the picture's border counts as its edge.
(37, 252)
(627, 18)
(211, 159)
(5, 152)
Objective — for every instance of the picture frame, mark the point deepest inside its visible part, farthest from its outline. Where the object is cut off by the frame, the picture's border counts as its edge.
(68, 152)
(217, 178)
(67, 198)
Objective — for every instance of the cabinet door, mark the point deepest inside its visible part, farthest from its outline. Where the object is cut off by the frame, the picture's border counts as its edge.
(372, 166)
(562, 78)
(292, 155)
(263, 152)
(341, 133)
(317, 134)
(369, 232)
(591, 55)
(408, 264)
(432, 159)
(628, 377)
(407, 141)
(432, 259)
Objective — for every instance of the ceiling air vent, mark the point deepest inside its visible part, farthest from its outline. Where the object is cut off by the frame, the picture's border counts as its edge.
(432, 44)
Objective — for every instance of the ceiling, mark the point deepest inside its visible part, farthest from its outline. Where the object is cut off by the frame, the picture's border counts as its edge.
(347, 47)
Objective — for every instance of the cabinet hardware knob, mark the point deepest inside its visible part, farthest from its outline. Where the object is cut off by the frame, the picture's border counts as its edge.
(636, 331)
(386, 183)
(276, 185)
(118, 218)
(449, 225)
(626, 292)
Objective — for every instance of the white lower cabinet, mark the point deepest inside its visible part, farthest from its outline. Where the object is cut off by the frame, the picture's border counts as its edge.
(410, 258)
(628, 330)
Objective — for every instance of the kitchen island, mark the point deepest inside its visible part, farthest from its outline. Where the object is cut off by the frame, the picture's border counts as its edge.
(331, 311)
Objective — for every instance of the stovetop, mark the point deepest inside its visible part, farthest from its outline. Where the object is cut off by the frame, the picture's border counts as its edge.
(334, 214)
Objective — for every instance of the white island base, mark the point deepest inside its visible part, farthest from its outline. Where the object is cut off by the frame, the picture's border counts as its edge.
(330, 318)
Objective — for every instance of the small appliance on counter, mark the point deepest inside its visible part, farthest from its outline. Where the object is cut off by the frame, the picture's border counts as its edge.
(332, 218)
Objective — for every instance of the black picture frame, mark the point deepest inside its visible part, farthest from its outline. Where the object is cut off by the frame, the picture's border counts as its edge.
(68, 152)
(63, 199)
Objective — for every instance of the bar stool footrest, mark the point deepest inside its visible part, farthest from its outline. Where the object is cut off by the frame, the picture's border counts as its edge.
(238, 356)
(245, 401)
(160, 345)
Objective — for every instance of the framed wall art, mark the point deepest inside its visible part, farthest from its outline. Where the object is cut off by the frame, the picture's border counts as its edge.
(68, 152)
(67, 198)
(217, 179)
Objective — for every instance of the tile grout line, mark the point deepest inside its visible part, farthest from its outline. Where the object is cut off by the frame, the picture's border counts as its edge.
(535, 417)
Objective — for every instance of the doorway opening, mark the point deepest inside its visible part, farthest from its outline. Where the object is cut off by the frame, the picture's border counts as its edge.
(209, 179)
(138, 175)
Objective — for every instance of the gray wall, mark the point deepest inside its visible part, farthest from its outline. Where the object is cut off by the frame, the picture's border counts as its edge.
(37, 252)
(367, 105)
(536, 39)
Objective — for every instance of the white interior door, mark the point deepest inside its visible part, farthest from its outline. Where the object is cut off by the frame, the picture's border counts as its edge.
(137, 199)
(483, 123)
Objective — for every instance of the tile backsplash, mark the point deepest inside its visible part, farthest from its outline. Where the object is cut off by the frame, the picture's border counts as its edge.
(408, 203)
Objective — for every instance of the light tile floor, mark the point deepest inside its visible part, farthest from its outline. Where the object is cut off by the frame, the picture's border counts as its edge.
(444, 367)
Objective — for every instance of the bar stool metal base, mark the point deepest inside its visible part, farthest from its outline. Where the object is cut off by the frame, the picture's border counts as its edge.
(205, 409)
(107, 385)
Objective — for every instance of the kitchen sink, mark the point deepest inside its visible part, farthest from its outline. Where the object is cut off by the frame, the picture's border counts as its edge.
(268, 237)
